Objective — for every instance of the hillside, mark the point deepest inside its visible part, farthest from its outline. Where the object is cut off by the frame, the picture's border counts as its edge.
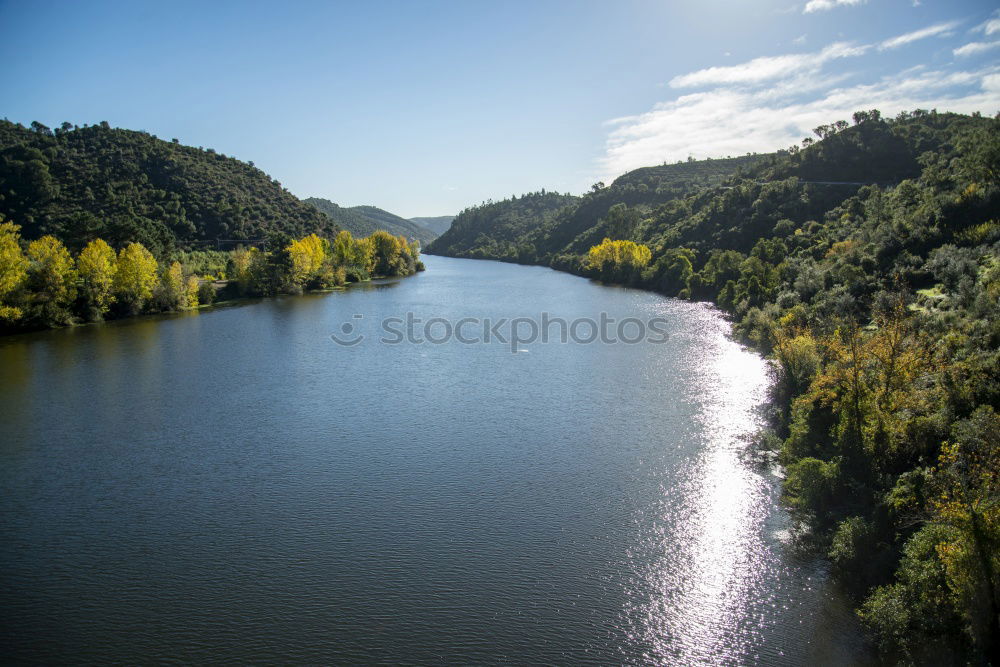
(395, 224)
(438, 224)
(641, 189)
(80, 183)
(725, 203)
(498, 230)
(867, 264)
(363, 220)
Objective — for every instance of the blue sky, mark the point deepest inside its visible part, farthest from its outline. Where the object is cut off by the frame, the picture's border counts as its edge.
(424, 108)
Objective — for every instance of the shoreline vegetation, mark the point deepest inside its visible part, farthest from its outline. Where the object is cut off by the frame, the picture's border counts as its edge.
(43, 285)
(866, 264)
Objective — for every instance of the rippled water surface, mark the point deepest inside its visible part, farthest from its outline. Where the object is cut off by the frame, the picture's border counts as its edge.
(232, 486)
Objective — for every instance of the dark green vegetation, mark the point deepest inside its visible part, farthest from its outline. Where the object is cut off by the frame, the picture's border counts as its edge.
(437, 224)
(534, 227)
(364, 220)
(79, 184)
(867, 263)
(499, 230)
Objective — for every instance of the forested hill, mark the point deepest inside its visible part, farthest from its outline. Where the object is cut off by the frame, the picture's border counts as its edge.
(364, 220)
(396, 225)
(724, 204)
(690, 173)
(495, 230)
(511, 229)
(437, 224)
(866, 263)
(81, 183)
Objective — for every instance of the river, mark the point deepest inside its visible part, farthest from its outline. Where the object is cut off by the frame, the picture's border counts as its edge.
(233, 485)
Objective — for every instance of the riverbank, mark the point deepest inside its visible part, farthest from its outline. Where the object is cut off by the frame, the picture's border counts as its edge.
(218, 286)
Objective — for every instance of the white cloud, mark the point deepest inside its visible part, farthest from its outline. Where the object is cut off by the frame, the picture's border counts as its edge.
(826, 5)
(767, 68)
(923, 33)
(733, 120)
(801, 39)
(973, 48)
(991, 26)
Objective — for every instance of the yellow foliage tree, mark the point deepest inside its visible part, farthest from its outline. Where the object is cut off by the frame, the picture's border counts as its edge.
(96, 266)
(135, 276)
(619, 253)
(241, 266)
(968, 500)
(51, 278)
(386, 251)
(13, 270)
(171, 292)
(364, 254)
(344, 249)
(191, 284)
(872, 383)
(307, 258)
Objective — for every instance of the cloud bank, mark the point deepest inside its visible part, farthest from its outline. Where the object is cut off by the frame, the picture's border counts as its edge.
(773, 102)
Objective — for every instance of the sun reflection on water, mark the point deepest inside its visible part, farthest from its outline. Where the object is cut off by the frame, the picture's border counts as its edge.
(708, 557)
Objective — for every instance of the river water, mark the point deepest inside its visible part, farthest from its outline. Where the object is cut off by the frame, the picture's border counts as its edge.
(234, 486)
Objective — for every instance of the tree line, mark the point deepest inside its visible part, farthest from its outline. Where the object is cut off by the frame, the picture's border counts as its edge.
(43, 284)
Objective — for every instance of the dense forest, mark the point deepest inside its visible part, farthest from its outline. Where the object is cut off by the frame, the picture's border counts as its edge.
(866, 263)
(522, 228)
(82, 183)
(44, 284)
(364, 220)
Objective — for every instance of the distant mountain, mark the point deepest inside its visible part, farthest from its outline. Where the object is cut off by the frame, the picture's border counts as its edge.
(395, 224)
(81, 183)
(363, 220)
(439, 225)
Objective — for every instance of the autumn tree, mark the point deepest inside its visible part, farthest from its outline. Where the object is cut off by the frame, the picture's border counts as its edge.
(171, 291)
(135, 277)
(307, 255)
(240, 268)
(968, 501)
(617, 261)
(51, 281)
(343, 249)
(193, 291)
(13, 271)
(386, 249)
(96, 267)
